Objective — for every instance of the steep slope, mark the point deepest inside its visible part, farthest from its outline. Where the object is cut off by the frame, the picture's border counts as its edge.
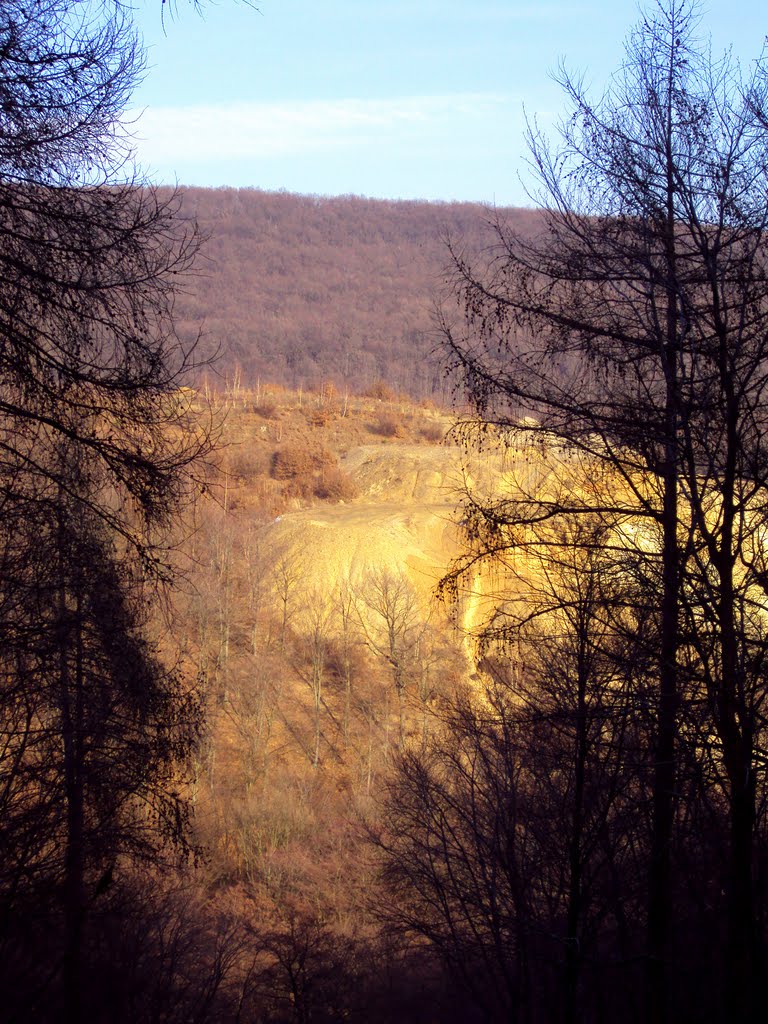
(403, 520)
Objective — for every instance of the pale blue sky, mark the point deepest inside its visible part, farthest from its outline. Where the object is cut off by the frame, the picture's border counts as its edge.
(386, 98)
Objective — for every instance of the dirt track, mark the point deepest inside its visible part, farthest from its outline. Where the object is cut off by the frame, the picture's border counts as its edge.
(406, 519)
(403, 520)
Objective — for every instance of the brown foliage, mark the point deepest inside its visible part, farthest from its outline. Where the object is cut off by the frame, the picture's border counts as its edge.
(247, 462)
(299, 458)
(380, 390)
(433, 432)
(267, 408)
(335, 485)
(321, 417)
(387, 424)
(307, 291)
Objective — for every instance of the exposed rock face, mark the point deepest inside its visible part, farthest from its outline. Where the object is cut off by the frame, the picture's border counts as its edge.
(404, 520)
(407, 521)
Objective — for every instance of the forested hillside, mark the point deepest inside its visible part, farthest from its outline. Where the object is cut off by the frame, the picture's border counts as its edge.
(300, 289)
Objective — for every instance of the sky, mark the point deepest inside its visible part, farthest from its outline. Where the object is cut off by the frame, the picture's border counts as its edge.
(396, 99)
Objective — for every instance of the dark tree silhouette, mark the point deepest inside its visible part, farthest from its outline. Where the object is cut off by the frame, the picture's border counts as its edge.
(633, 331)
(98, 448)
(503, 839)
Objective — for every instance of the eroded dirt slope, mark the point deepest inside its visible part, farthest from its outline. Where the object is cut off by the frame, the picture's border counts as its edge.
(405, 520)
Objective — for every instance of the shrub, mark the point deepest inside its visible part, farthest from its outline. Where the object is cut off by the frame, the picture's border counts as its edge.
(380, 390)
(299, 458)
(432, 431)
(267, 408)
(387, 424)
(334, 484)
(320, 417)
(247, 463)
(301, 486)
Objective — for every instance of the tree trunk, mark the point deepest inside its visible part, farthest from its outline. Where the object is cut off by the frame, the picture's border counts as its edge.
(71, 695)
(660, 907)
(574, 912)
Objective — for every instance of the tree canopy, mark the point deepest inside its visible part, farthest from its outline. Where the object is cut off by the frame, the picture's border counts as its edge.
(626, 343)
(98, 450)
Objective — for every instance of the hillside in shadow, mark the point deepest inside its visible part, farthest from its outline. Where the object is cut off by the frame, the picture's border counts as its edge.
(297, 290)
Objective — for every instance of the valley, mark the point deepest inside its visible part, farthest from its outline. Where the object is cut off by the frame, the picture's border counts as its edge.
(383, 584)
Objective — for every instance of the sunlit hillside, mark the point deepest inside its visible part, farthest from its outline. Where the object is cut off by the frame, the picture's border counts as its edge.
(347, 487)
(322, 651)
(326, 656)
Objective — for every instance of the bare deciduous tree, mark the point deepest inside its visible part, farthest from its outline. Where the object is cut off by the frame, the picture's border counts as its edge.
(98, 454)
(389, 615)
(632, 331)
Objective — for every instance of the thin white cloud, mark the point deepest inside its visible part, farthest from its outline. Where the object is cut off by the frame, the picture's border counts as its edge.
(265, 130)
(460, 11)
